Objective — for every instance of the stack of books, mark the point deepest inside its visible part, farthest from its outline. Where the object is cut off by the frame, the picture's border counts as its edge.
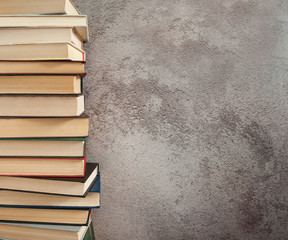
(47, 190)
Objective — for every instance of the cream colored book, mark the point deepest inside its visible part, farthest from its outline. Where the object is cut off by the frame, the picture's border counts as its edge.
(40, 35)
(8, 7)
(73, 186)
(42, 167)
(26, 199)
(41, 105)
(47, 21)
(42, 67)
(43, 147)
(30, 231)
(40, 84)
(41, 51)
(43, 127)
(36, 215)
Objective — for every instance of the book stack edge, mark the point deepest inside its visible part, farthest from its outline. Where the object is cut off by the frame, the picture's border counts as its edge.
(47, 188)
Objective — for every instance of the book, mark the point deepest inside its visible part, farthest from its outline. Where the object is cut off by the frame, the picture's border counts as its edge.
(43, 147)
(42, 67)
(41, 105)
(40, 35)
(30, 231)
(90, 233)
(43, 84)
(41, 51)
(19, 199)
(77, 186)
(37, 7)
(40, 215)
(44, 127)
(42, 167)
(47, 21)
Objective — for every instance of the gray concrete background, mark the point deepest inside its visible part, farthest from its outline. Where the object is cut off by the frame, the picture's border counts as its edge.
(188, 118)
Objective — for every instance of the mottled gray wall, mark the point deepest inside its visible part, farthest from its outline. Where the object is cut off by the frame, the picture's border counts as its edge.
(188, 105)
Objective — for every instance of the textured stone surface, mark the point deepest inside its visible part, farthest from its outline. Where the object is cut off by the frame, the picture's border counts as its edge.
(188, 102)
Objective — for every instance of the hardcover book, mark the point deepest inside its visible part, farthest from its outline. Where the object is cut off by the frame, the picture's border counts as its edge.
(42, 167)
(49, 216)
(40, 35)
(42, 67)
(44, 127)
(16, 199)
(72, 147)
(47, 21)
(41, 51)
(77, 186)
(30, 231)
(90, 233)
(40, 84)
(37, 7)
(41, 105)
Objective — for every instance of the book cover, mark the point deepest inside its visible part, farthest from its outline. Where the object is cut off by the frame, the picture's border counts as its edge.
(38, 231)
(39, 85)
(36, 7)
(41, 51)
(37, 67)
(34, 165)
(79, 22)
(54, 185)
(82, 156)
(47, 216)
(43, 127)
(16, 199)
(90, 233)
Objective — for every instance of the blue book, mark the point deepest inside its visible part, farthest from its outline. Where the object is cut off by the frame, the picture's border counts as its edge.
(16, 199)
